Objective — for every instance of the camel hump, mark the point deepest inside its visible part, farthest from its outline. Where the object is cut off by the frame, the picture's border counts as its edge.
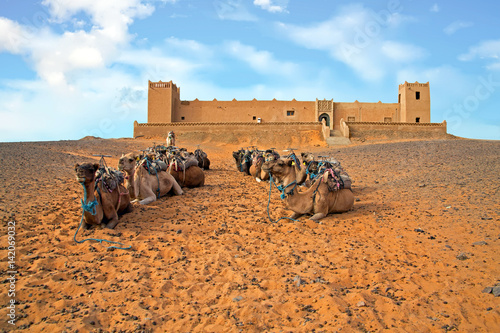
(111, 177)
(337, 179)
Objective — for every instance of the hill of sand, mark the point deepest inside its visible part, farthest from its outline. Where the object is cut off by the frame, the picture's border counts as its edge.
(415, 254)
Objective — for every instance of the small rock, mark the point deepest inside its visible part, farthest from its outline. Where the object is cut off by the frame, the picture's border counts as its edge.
(486, 218)
(463, 256)
(421, 185)
(297, 280)
(487, 290)
(419, 230)
(361, 303)
(489, 309)
(358, 199)
(480, 243)
(496, 291)
(237, 298)
(179, 231)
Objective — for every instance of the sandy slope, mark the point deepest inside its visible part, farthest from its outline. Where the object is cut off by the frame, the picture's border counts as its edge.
(211, 261)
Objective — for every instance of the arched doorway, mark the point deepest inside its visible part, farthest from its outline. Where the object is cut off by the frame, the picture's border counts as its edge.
(326, 117)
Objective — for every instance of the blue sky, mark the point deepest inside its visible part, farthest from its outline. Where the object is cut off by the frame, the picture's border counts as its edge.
(74, 68)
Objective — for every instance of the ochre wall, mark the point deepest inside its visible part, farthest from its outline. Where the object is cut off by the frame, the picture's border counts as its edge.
(286, 133)
(373, 112)
(411, 106)
(244, 111)
(397, 130)
(162, 98)
(165, 106)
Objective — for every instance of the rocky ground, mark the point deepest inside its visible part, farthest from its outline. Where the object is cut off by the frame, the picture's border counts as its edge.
(419, 252)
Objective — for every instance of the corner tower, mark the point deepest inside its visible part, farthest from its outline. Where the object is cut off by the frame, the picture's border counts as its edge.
(415, 102)
(163, 100)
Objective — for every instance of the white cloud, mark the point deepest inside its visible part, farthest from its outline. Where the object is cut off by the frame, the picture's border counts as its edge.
(435, 8)
(355, 36)
(234, 10)
(55, 56)
(401, 52)
(455, 26)
(262, 62)
(485, 50)
(276, 6)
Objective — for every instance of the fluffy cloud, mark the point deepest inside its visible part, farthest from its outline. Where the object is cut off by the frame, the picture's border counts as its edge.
(262, 62)
(270, 5)
(485, 50)
(356, 37)
(55, 56)
(234, 10)
(455, 26)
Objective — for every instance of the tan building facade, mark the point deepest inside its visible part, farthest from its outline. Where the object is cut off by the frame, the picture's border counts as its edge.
(166, 106)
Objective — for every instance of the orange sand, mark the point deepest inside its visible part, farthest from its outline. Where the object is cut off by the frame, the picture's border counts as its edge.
(211, 261)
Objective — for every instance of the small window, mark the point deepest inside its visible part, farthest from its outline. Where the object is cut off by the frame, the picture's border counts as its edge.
(387, 120)
(254, 118)
(351, 119)
(182, 118)
(290, 113)
(399, 98)
(417, 94)
(417, 120)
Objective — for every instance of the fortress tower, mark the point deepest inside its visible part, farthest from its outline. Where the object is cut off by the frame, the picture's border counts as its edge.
(163, 100)
(415, 102)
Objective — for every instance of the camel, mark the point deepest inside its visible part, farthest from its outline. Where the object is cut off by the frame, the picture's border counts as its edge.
(105, 198)
(320, 199)
(243, 160)
(187, 172)
(256, 167)
(203, 161)
(127, 164)
(147, 182)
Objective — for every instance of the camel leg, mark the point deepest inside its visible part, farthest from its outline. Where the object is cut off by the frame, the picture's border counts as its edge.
(113, 222)
(149, 197)
(148, 200)
(318, 216)
(296, 215)
(176, 187)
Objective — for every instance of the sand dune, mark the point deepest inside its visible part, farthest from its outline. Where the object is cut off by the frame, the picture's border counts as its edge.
(414, 255)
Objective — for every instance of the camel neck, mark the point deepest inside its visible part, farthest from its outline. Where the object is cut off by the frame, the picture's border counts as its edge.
(89, 189)
(289, 178)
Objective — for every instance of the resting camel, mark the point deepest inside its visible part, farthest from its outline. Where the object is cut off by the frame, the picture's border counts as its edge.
(243, 160)
(105, 199)
(187, 172)
(127, 163)
(147, 183)
(203, 161)
(317, 199)
(256, 167)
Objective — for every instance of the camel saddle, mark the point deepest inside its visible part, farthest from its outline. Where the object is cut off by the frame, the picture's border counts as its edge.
(110, 177)
(337, 179)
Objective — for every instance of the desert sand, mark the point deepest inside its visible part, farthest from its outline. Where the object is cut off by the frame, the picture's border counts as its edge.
(415, 254)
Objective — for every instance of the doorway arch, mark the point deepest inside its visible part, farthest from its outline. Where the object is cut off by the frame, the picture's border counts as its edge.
(326, 117)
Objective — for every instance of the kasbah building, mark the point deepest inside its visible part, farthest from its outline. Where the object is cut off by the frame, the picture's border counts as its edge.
(337, 122)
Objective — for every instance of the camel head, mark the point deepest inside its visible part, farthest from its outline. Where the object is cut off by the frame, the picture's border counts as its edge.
(85, 173)
(307, 157)
(278, 168)
(128, 162)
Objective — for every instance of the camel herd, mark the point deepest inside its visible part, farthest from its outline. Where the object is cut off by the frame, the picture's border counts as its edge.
(141, 177)
(307, 185)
